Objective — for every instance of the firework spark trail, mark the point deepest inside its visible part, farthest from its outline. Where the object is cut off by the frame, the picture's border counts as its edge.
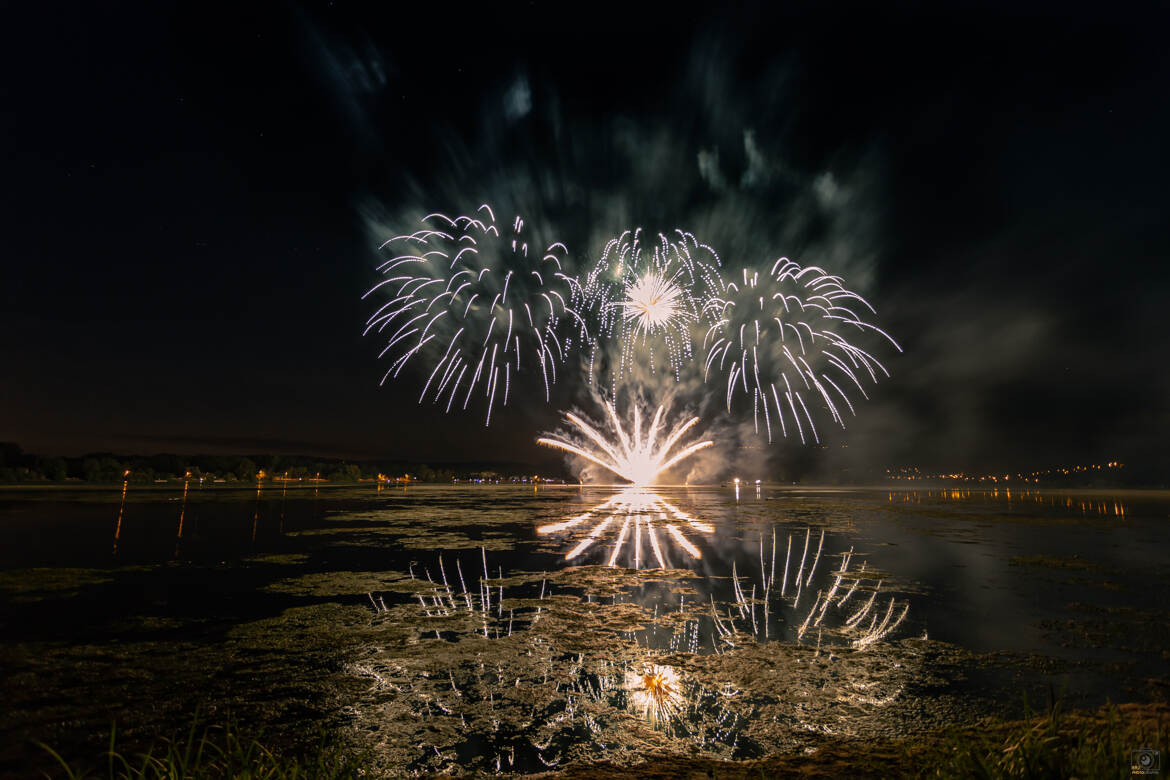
(778, 338)
(641, 460)
(650, 298)
(479, 304)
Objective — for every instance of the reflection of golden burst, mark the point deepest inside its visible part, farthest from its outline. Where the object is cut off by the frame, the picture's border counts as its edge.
(640, 513)
(655, 693)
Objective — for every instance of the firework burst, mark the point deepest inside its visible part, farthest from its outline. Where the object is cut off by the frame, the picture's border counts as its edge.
(654, 302)
(655, 693)
(478, 305)
(633, 457)
(648, 300)
(481, 310)
(780, 341)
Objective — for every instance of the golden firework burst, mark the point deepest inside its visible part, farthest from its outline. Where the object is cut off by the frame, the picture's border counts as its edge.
(655, 693)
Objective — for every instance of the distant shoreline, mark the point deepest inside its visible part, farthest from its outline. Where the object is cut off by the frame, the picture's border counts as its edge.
(748, 488)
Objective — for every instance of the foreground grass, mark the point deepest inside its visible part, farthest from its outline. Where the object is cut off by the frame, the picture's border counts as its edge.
(228, 751)
(1052, 744)
(1055, 744)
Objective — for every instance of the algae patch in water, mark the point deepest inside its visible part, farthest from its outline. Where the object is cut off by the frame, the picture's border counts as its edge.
(336, 583)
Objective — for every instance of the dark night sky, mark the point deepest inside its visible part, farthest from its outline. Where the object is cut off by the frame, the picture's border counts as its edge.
(190, 194)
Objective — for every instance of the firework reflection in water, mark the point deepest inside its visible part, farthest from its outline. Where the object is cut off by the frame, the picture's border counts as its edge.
(641, 519)
(489, 666)
(655, 693)
(847, 608)
(490, 678)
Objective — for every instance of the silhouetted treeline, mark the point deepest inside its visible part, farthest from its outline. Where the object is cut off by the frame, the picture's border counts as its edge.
(18, 466)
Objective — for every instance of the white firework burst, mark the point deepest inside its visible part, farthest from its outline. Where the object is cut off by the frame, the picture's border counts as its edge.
(781, 340)
(478, 305)
(654, 303)
(649, 300)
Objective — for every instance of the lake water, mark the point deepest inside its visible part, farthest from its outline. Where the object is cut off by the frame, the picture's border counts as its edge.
(515, 629)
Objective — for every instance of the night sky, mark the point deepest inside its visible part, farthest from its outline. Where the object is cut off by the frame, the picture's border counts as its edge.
(194, 197)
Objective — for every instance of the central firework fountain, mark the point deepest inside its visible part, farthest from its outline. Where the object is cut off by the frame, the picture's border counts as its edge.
(640, 459)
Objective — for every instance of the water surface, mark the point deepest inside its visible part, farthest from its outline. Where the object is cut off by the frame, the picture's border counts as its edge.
(517, 628)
